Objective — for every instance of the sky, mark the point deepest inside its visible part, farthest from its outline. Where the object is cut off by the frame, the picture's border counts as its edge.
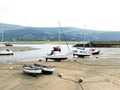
(95, 14)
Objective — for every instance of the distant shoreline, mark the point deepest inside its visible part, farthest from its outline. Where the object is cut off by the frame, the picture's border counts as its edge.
(106, 44)
(42, 42)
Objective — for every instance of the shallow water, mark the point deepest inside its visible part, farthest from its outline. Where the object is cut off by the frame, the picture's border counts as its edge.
(32, 55)
(43, 49)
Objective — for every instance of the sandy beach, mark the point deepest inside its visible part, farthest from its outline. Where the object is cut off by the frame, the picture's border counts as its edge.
(97, 74)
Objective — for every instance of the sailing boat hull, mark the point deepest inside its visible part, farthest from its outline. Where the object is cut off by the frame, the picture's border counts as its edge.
(81, 52)
(57, 57)
(6, 53)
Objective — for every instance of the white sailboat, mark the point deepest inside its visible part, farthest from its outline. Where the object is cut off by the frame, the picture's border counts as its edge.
(81, 51)
(56, 53)
(6, 51)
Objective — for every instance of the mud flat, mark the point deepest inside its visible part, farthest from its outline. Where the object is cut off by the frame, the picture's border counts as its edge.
(16, 48)
(99, 74)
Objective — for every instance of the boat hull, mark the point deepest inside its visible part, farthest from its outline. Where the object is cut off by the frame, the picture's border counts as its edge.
(45, 69)
(31, 70)
(6, 53)
(96, 53)
(57, 57)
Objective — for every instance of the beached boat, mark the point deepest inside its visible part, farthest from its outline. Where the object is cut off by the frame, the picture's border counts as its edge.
(8, 44)
(32, 70)
(56, 55)
(6, 52)
(81, 52)
(46, 69)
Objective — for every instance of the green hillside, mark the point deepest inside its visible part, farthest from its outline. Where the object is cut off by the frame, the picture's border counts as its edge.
(10, 26)
(16, 32)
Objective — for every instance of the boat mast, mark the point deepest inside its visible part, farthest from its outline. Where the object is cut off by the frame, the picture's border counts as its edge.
(59, 33)
(63, 35)
(59, 30)
(84, 36)
(2, 36)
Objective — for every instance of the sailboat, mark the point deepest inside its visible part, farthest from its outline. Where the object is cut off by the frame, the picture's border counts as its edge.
(56, 53)
(81, 51)
(6, 51)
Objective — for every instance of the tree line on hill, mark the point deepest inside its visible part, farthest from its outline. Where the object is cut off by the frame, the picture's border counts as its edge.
(19, 33)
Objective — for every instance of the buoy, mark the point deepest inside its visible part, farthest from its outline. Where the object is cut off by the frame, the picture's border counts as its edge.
(80, 80)
(40, 60)
(60, 75)
(10, 68)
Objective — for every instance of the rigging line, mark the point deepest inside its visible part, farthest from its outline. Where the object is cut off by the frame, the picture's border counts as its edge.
(59, 37)
(64, 36)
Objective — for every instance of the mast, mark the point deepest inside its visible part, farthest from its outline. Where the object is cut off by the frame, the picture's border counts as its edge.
(59, 30)
(2, 36)
(63, 35)
(84, 35)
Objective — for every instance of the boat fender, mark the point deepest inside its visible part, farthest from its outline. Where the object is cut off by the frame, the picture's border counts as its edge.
(40, 60)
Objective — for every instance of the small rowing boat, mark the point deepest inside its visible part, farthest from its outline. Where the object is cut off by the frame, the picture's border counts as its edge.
(45, 69)
(32, 70)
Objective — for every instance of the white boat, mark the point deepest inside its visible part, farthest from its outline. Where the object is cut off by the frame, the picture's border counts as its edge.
(81, 52)
(32, 70)
(56, 55)
(46, 69)
(8, 44)
(6, 52)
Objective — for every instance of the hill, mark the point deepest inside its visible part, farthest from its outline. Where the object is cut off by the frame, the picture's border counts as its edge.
(17, 32)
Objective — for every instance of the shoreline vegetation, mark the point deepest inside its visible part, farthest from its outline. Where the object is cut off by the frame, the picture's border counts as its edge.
(97, 74)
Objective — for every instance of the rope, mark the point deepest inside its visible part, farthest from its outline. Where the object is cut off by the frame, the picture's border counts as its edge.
(60, 75)
(64, 36)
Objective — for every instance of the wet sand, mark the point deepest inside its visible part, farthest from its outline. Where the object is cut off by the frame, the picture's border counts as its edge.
(98, 74)
(16, 48)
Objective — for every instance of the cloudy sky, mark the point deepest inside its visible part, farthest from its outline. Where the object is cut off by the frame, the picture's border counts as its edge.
(95, 14)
